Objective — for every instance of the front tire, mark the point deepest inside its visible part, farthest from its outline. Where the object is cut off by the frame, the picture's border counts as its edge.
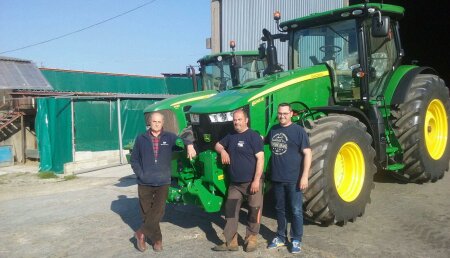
(421, 125)
(342, 169)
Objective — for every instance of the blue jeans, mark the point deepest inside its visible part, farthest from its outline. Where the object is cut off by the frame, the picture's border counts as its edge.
(288, 197)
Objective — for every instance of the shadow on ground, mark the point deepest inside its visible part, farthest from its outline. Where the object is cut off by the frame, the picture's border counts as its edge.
(386, 177)
(126, 181)
(185, 216)
(190, 216)
(128, 210)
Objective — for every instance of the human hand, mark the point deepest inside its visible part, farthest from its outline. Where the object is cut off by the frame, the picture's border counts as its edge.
(254, 187)
(191, 153)
(225, 157)
(303, 183)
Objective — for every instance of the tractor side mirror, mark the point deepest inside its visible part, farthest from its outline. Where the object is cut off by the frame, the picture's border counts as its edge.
(262, 51)
(380, 26)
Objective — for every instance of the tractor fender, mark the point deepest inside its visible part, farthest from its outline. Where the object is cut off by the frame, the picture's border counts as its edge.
(352, 111)
(374, 123)
(400, 91)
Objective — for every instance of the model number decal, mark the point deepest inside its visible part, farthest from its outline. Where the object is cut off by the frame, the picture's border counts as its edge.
(257, 101)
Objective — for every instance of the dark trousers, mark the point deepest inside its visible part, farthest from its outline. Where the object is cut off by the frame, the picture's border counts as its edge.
(289, 195)
(152, 200)
(237, 193)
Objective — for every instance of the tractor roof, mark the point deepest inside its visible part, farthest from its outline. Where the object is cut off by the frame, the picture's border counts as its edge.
(236, 53)
(342, 13)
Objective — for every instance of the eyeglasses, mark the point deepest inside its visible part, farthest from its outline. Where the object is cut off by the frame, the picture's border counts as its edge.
(283, 114)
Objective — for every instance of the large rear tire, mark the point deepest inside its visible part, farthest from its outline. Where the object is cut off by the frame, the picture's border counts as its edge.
(421, 125)
(342, 169)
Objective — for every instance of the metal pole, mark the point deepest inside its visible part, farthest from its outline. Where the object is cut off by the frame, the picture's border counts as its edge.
(72, 113)
(24, 145)
(119, 126)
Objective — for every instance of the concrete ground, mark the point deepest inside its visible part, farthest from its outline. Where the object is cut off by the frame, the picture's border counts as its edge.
(95, 215)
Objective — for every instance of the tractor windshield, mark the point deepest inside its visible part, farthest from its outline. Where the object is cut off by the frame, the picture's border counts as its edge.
(223, 73)
(334, 44)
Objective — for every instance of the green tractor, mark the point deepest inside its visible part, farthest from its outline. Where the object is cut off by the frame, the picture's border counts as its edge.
(361, 107)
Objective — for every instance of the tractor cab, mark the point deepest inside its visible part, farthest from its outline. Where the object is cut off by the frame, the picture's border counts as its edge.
(360, 45)
(226, 70)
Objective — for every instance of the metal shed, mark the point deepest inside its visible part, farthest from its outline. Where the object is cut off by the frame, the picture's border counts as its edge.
(16, 114)
(243, 21)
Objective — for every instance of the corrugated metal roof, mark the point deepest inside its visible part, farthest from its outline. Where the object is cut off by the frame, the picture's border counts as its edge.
(21, 74)
(243, 21)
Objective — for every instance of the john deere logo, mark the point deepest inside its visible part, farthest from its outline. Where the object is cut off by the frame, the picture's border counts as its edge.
(207, 137)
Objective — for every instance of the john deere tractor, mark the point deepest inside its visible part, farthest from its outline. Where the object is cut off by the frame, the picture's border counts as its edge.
(362, 108)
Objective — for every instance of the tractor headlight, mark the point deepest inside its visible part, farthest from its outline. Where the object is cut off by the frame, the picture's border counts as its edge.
(195, 118)
(221, 117)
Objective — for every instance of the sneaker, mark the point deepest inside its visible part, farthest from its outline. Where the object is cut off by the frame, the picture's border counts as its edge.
(276, 242)
(296, 247)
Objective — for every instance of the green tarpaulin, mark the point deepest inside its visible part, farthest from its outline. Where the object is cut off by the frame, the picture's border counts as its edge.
(95, 124)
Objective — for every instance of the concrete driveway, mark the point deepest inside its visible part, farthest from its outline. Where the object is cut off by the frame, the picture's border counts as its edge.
(96, 214)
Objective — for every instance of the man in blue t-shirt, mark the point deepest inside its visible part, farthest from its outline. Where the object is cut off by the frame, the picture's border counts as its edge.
(243, 152)
(291, 161)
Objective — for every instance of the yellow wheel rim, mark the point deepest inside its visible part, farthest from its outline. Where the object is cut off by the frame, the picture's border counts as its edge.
(349, 171)
(436, 129)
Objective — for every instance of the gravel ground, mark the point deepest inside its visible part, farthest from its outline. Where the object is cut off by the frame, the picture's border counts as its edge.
(95, 215)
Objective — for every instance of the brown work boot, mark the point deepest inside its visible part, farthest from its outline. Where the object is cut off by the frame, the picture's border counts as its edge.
(231, 246)
(157, 246)
(140, 241)
(251, 243)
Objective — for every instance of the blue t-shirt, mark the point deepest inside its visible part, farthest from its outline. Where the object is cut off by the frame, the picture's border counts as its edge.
(287, 145)
(242, 148)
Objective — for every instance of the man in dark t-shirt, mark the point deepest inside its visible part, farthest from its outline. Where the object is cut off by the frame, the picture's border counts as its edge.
(290, 164)
(242, 151)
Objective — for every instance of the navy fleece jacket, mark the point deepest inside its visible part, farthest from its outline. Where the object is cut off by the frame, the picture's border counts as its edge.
(150, 171)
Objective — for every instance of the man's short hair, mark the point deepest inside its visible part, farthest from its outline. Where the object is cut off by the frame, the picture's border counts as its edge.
(284, 104)
(243, 112)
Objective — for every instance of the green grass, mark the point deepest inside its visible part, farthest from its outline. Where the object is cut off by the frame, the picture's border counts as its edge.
(47, 175)
(71, 177)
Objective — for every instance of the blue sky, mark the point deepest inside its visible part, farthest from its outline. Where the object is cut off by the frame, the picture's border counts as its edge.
(162, 37)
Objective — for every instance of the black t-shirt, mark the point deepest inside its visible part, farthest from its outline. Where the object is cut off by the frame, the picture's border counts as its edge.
(242, 148)
(287, 145)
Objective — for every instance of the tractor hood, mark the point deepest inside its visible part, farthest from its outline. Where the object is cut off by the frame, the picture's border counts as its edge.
(256, 90)
(182, 100)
